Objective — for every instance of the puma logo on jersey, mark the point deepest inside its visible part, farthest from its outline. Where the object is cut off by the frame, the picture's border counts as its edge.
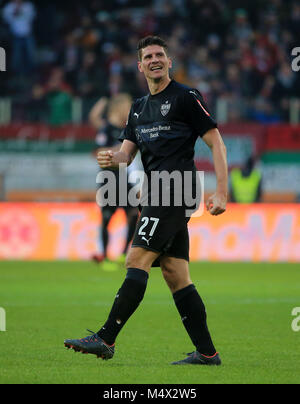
(137, 115)
(147, 241)
(196, 95)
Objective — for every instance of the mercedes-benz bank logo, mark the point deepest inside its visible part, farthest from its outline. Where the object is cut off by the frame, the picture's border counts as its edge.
(2, 60)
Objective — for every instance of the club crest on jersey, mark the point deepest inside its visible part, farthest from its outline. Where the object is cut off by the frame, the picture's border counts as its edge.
(165, 108)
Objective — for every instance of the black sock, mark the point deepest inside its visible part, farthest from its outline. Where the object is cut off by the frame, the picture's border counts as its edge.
(126, 302)
(107, 213)
(132, 217)
(193, 315)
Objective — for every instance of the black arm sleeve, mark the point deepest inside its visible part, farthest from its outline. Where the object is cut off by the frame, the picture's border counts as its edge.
(129, 133)
(196, 113)
(104, 138)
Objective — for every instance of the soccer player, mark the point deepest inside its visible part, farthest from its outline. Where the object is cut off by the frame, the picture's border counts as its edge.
(164, 126)
(109, 131)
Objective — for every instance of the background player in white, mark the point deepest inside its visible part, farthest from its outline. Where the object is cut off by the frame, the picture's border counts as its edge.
(109, 116)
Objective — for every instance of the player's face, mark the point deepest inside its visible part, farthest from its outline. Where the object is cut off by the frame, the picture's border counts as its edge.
(155, 63)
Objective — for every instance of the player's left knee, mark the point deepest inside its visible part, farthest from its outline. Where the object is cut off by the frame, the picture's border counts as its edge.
(169, 267)
(166, 264)
(175, 273)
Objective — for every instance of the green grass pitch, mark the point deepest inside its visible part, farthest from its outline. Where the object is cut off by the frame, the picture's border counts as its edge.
(249, 309)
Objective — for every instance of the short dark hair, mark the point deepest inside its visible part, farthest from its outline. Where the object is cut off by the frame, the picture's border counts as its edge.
(151, 40)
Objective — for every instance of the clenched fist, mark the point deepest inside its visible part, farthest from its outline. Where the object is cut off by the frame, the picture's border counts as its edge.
(105, 158)
(216, 204)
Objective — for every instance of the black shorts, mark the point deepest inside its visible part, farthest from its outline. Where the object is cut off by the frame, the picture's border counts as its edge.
(163, 230)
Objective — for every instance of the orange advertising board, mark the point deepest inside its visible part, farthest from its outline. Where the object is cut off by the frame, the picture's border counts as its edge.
(52, 231)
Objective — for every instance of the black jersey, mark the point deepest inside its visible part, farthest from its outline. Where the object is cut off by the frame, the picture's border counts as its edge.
(165, 127)
(108, 136)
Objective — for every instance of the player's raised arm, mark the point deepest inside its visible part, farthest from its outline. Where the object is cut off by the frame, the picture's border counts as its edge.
(216, 204)
(96, 113)
(125, 155)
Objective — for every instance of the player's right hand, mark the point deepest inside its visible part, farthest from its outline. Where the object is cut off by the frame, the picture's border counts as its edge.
(105, 158)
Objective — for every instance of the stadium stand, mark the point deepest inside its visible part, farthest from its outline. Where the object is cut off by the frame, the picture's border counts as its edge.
(239, 57)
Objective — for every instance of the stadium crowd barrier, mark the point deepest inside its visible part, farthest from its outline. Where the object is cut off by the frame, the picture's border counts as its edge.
(63, 149)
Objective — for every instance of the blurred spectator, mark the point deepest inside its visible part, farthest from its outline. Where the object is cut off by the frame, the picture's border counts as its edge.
(92, 77)
(69, 57)
(294, 21)
(128, 74)
(91, 81)
(265, 54)
(241, 28)
(264, 112)
(246, 183)
(37, 105)
(167, 18)
(19, 16)
(233, 84)
(241, 54)
(88, 34)
(284, 88)
(58, 98)
(284, 82)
